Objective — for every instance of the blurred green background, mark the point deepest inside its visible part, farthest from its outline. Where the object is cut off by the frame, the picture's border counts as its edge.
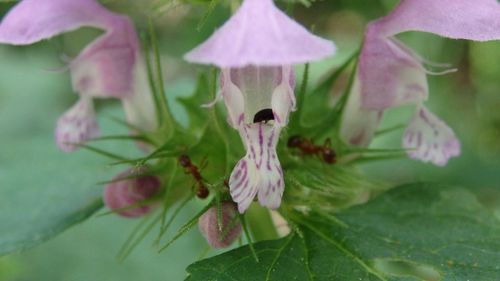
(467, 100)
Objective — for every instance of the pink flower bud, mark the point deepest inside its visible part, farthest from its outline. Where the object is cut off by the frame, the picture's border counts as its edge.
(231, 227)
(129, 197)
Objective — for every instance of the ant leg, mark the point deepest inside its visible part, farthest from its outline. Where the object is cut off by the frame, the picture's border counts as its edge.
(193, 188)
(203, 163)
(328, 143)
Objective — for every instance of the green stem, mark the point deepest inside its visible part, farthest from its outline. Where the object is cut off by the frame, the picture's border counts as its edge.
(152, 86)
(261, 224)
(335, 115)
(167, 117)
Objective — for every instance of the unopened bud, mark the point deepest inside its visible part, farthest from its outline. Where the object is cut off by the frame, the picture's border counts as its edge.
(130, 196)
(220, 234)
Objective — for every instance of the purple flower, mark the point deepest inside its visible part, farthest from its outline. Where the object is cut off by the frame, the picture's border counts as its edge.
(255, 49)
(108, 67)
(390, 74)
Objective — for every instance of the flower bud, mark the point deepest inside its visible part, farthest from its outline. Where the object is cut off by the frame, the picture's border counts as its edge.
(231, 227)
(129, 196)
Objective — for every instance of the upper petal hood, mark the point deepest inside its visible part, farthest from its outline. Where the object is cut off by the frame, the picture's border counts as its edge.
(393, 75)
(34, 20)
(260, 34)
(477, 20)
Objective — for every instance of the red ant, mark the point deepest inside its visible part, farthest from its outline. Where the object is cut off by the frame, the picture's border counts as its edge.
(185, 162)
(307, 147)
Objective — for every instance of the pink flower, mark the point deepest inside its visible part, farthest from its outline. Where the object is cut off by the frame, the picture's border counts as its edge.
(255, 49)
(130, 194)
(108, 67)
(390, 74)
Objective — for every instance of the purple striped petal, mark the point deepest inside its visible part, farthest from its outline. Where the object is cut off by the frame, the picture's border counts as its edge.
(259, 172)
(77, 125)
(430, 139)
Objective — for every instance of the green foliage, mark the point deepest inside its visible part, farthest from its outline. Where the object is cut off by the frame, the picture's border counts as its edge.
(414, 232)
(43, 190)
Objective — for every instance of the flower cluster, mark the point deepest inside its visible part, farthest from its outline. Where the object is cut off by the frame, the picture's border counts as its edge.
(256, 50)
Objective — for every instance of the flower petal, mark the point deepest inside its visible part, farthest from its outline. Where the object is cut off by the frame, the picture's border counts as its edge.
(390, 74)
(33, 20)
(430, 139)
(260, 34)
(358, 124)
(77, 125)
(259, 93)
(283, 97)
(233, 98)
(105, 68)
(459, 19)
(140, 110)
(256, 85)
(259, 172)
(243, 183)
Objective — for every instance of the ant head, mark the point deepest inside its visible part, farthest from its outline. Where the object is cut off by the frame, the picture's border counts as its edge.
(184, 160)
(329, 156)
(294, 141)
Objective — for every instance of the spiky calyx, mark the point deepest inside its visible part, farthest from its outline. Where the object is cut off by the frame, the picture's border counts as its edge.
(131, 196)
(220, 234)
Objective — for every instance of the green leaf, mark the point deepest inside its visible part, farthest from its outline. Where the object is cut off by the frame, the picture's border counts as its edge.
(198, 115)
(414, 232)
(43, 191)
